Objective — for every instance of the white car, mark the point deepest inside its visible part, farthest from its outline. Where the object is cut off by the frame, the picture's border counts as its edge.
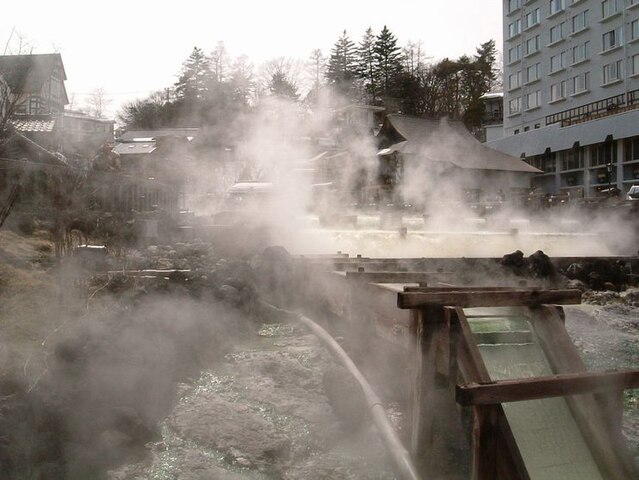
(633, 193)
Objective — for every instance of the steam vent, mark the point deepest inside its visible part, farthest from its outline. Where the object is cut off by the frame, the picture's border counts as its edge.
(383, 261)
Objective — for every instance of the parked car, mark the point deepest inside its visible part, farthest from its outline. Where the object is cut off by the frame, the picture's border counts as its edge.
(633, 193)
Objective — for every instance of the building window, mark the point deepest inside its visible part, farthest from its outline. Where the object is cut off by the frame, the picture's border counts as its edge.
(532, 73)
(514, 28)
(580, 21)
(581, 83)
(532, 18)
(557, 62)
(635, 64)
(603, 153)
(514, 54)
(533, 100)
(557, 32)
(548, 164)
(612, 71)
(609, 7)
(557, 6)
(514, 80)
(631, 149)
(612, 39)
(513, 5)
(634, 29)
(514, 105)
(532, 45)
(581, 52)
(572, 159)
(558, 91)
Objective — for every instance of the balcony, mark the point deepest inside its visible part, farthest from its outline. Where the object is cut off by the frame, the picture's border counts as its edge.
(599, 109)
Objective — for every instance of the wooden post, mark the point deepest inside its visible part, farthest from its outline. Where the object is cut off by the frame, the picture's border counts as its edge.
(429, 325)
(485, 435)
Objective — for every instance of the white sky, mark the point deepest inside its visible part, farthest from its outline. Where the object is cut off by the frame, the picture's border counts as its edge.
(132, 48)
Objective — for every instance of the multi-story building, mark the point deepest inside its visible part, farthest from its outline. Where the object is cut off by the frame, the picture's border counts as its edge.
(571, 92)
(38, 95)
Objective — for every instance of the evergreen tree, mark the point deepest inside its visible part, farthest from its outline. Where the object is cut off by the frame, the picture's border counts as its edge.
(342, 67)
(388, 63)
(281, 86)
(366, 63)
(195, 77)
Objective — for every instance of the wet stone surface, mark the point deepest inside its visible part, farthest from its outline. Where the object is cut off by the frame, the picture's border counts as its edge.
(262, 413)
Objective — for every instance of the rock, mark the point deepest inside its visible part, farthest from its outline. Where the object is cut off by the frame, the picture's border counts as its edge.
(515, 259)
(576, 271)
(578, 284)
(540, 265)
(631, 297)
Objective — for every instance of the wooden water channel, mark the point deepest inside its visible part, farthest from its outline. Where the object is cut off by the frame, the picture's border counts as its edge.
(497, 389)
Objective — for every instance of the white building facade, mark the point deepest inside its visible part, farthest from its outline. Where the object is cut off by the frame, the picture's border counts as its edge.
(571, 92)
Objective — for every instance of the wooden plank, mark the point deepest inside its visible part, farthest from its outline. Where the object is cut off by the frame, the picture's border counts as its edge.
(517, 390)
(456, 288)
(395, 277)
(508, 462)
(608, 447)
(488, 298)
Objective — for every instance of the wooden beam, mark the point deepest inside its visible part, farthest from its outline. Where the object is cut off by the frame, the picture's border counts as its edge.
(395, 277)
(517, 390)
(488, 298)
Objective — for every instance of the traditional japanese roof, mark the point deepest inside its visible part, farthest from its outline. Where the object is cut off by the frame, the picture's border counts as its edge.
(135, 148)
(444, 141)
(31, 124)
(133, 135)
(27, 73)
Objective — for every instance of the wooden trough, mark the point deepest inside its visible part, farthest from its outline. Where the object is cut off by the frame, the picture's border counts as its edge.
(497, 387)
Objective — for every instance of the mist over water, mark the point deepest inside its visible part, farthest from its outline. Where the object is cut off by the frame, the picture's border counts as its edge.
(313, 206)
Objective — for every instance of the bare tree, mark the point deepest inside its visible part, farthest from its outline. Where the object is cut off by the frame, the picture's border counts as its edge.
(317, 67)
(220, 62)
(98, 101)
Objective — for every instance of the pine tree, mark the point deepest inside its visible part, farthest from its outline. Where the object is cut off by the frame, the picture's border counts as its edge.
(195, 77)
(342, 68)
(366, 63)
(388, 63)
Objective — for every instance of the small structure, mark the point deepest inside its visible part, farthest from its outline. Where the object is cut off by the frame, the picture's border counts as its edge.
(420, 157)
(83, 134)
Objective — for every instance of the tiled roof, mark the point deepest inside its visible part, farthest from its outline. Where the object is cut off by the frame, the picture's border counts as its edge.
(446, 140)
(34, 124)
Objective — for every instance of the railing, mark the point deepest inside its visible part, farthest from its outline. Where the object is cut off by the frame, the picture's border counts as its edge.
(600, 108)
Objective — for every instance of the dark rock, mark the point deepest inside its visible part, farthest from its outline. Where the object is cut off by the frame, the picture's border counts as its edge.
(540, 265)
(515, 259)
(576, 271)
(578, 284)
